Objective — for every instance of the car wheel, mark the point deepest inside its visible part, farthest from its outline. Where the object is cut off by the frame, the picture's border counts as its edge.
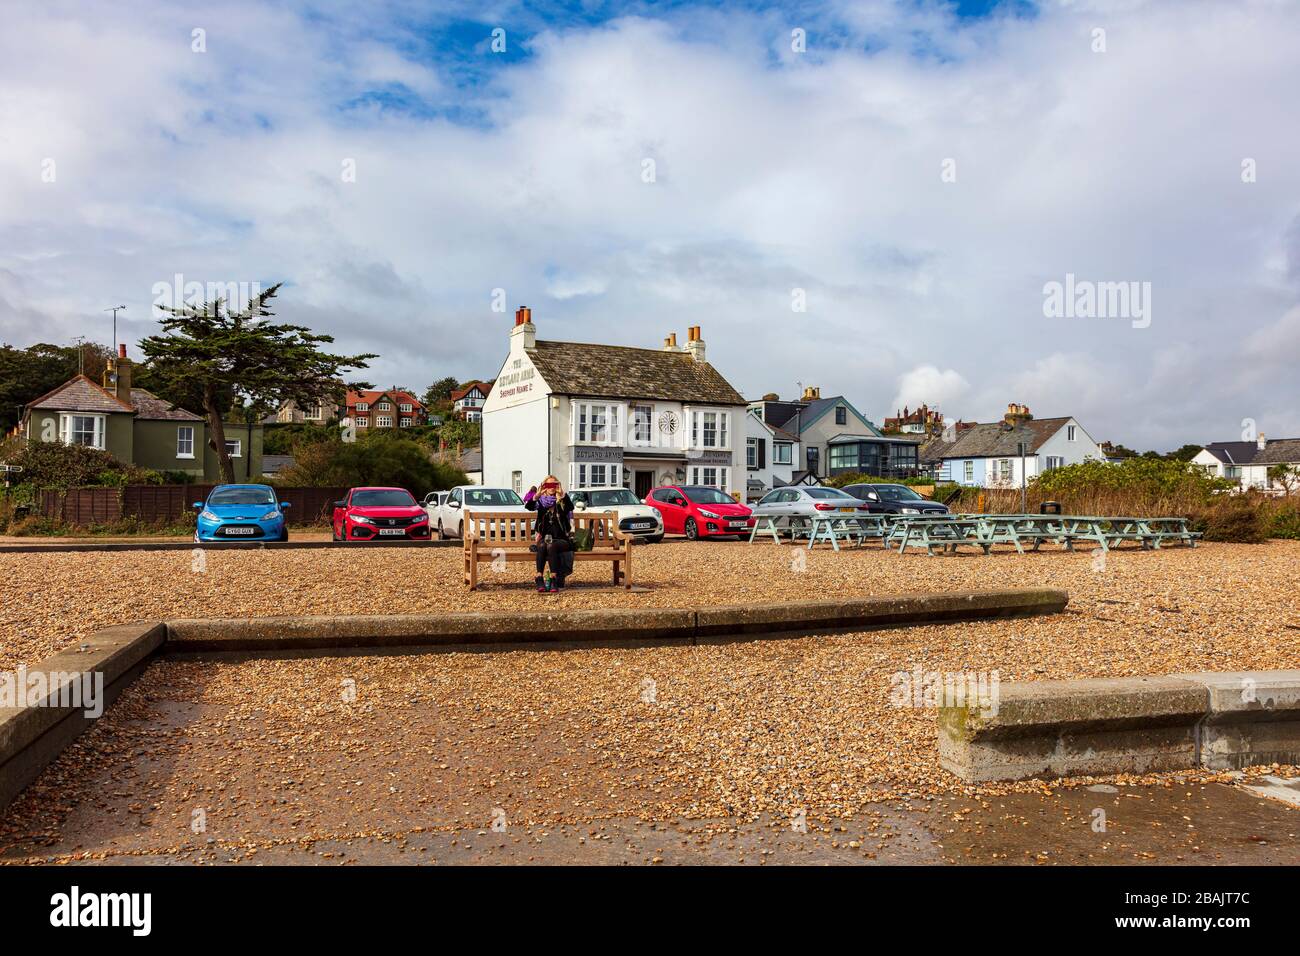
(442, 535)
(692, 530)
(460, 530)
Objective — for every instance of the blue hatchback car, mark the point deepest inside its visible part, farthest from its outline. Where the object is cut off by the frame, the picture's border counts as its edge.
(241, 513)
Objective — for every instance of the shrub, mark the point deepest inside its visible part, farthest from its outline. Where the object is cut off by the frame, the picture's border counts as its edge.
(372, 461)
(56, 465)
(1283, 519)
(1232, 519)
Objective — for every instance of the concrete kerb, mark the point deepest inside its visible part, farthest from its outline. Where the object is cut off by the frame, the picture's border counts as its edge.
(290, 545)
(33, 733)
(31, 736)
(1217, 721)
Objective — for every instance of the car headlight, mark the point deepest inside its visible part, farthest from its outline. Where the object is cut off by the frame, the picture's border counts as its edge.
(419, 518)
(909, 511)
(270, 515)
(709, 514)
(659, 515)
(209, 516)
(362, 519)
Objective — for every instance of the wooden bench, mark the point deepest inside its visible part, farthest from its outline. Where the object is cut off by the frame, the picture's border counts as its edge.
(506, 536)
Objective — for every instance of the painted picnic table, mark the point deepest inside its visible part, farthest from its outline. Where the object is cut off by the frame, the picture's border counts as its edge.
(1109, 532)
(986, 530)
(951, 532)
(829, 527)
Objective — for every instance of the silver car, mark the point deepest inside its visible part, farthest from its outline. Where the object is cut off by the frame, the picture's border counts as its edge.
(795, 507)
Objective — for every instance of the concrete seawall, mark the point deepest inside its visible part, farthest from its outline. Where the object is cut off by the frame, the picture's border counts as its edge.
(1218, 721)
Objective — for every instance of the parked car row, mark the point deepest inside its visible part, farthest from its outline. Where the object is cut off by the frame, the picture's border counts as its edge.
(253, 513)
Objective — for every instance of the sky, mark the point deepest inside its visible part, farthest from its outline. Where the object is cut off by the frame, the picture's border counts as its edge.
(869, 197)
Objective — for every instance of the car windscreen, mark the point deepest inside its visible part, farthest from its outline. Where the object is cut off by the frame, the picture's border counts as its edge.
(826, 493)
(387, 498)
(898, 493)
(609, 499)
(241, 496)
(708, 496)
(488, 497)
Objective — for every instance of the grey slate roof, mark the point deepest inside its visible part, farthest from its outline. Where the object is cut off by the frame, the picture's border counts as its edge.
(273, 464)
(80, 394)
(471, 460)
(619, 371)
(1233, 452)
(149, 406)
(1279, 451)
(994, 440)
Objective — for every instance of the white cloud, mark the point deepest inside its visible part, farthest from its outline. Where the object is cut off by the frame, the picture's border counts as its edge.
(818, 171)
(928, 385)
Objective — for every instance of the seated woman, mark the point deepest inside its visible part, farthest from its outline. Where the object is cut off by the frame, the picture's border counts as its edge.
(553, 534)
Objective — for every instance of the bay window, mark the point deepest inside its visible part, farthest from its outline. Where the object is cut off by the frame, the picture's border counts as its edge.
(596, 422)
(87, 430)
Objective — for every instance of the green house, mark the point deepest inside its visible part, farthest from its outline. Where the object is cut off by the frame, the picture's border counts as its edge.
(137, 427)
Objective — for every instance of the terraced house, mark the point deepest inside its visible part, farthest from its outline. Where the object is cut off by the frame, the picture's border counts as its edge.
(138, 427)
(611, 415)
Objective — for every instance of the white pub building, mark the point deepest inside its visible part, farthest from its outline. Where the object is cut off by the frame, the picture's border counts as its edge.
(610, 415)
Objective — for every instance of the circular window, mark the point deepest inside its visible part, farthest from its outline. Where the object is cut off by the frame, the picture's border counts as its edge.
(669, 423)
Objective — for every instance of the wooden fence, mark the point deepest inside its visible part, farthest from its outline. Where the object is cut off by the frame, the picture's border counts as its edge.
(161, 503)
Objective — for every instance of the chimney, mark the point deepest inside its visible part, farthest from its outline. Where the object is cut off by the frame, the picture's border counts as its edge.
(524, 334)
(117, 375)
(1261, 442)
(695, 343)
(1017, 414)
(670, 343)
(811, 393)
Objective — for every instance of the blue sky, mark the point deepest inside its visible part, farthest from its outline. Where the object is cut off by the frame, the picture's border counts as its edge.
(821, 171)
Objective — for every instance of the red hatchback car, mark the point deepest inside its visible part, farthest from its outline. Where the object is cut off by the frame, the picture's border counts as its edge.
(373, 514)
(699, 511)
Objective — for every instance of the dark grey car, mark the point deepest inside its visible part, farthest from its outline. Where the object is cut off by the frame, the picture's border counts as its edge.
(894, 499)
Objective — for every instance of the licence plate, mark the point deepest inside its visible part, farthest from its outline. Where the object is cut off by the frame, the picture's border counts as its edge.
(401, 531)
(641, 525)
(238, 530)
(735, 524)
(848, 510)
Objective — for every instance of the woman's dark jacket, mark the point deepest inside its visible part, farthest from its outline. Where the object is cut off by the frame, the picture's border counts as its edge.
(554, 520)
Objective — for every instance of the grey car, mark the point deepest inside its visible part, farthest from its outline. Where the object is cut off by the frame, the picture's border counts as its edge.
(794, 507)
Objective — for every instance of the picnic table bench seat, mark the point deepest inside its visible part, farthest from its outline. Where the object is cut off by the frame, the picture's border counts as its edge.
(507, 536)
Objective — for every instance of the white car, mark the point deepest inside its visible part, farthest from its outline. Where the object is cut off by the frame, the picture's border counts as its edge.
(449, 517)
(635, 517)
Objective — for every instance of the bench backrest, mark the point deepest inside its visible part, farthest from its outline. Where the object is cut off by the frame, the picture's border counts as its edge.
(510, 529)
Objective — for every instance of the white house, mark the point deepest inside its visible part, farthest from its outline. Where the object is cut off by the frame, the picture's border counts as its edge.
(600, 415)
(1248, 462)
(989, 455)
(771, 454)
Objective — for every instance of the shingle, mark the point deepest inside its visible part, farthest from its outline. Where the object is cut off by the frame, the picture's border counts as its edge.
(619, 371)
